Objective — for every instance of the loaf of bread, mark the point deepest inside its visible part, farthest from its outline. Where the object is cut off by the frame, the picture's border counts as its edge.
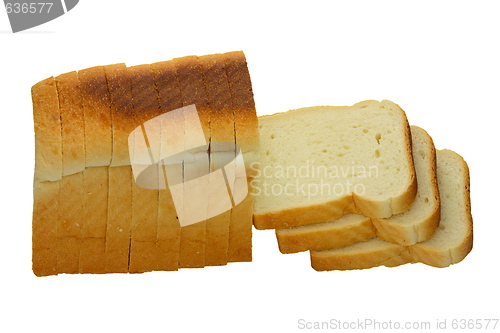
(90, 215)
(449, 244)
(320, 163)
(409, 227)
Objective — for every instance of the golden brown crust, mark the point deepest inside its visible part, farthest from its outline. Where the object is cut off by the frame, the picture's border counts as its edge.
(48, 139)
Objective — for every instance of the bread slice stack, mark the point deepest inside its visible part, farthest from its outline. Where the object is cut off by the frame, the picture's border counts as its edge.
(361, 188)
(95, 212)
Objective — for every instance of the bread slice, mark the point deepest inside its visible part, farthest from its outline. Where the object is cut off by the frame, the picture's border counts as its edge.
(144, 200)
(222, 132)
(168, 227)
(247, 139)
(415, 224)
(193, 237)
(119, 215)
(319, 163)
(450, 244)
(71, 185)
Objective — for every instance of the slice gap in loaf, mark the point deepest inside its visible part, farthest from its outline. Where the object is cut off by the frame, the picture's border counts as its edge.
(322, 162)
(450, 244)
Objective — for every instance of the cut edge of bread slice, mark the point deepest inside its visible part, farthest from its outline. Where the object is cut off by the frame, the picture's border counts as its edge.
(450, 244)
(381, 139)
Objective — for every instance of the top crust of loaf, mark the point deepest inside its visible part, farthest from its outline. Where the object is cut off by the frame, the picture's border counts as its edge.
(390, 138)
(106, 106)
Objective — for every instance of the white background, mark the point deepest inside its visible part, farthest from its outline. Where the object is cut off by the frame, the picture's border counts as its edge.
(439, 60)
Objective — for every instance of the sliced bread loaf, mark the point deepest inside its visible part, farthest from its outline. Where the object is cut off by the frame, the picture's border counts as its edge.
(450, 243)
(319, 163)
(415, 224)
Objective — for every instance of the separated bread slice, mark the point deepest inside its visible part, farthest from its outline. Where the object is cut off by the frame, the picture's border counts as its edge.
(247, 139)
(450, 243)
(319, 163)
(415, 224)
(222, 132)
